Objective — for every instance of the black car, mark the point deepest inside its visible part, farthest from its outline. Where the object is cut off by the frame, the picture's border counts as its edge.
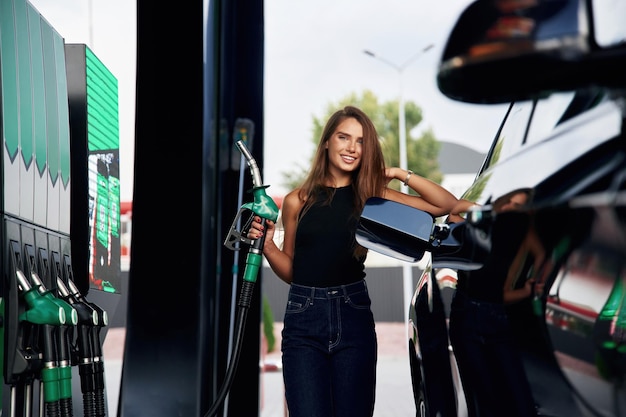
(561, 64)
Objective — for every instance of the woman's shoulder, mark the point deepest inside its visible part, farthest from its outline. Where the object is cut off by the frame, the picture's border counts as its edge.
(293, 200)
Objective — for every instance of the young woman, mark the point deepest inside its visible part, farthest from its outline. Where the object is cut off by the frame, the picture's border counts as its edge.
(329, 346)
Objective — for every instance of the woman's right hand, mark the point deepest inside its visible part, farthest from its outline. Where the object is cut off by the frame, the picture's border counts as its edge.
(256, 229)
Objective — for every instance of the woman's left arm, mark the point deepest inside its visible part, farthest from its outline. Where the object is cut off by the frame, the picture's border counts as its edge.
(431, 197)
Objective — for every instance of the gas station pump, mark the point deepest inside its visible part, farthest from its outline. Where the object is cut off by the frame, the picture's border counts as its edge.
(47, 154)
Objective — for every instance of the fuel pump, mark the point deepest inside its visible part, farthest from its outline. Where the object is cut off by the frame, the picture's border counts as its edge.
(264, 207)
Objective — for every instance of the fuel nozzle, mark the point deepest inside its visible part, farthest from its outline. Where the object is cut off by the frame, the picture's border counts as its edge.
(262, 206)
(91, 319)
(46, 312)
(70, 312)
(56, 375)
(41, 310)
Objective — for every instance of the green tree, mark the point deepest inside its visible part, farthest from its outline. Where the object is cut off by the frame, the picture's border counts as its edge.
(422, 152)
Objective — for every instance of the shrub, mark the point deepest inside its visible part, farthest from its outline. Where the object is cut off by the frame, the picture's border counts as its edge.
(268, 325)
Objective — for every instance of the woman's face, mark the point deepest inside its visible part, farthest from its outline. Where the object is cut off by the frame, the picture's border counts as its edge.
(345, 147)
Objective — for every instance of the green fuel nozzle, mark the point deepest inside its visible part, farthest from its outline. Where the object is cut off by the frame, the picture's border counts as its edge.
(262, 206)
(57, 373)
(41, 310)
(51, 314)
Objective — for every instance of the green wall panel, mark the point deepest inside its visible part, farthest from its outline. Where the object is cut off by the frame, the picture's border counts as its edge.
(52, 111)
(8, 59)
(39, 104)
(24, 83)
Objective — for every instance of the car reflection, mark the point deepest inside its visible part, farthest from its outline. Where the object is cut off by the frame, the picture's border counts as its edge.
(566, 331)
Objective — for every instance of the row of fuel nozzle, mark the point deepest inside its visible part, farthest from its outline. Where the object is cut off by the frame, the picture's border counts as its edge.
(68, 329)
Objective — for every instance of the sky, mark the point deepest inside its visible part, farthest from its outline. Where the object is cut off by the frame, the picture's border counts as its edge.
(313, 57)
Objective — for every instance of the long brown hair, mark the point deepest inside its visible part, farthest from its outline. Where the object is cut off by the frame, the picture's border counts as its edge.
(368, 179)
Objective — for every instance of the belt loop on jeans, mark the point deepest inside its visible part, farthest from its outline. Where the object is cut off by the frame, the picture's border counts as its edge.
(312, 296)
(350, 288)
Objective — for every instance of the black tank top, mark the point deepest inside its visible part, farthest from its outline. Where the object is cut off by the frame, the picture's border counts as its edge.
(325, 241)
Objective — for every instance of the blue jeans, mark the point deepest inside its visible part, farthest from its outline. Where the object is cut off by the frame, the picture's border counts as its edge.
(329, 350)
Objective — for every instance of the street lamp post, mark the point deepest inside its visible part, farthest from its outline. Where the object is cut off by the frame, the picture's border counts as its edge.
(401, 116)
(407, 272)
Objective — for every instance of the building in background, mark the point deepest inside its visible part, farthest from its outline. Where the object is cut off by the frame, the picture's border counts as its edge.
(459, 165)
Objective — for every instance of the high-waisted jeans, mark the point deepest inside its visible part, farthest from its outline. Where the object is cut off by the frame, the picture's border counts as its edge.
(329, 350)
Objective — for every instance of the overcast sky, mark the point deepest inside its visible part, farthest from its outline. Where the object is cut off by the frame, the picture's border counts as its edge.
(313, 57)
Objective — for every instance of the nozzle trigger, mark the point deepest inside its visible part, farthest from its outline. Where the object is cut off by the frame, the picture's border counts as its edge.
(235, 236)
